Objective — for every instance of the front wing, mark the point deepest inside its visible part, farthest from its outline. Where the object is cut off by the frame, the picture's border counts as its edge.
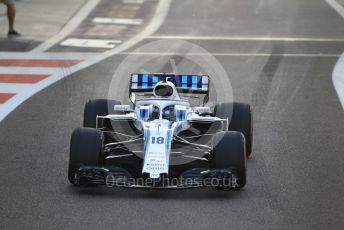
(119, 177)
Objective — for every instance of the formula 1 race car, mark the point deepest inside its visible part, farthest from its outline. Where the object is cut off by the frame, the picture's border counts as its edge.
(162, 141)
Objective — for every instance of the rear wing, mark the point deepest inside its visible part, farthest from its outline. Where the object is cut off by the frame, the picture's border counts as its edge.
(191, 84)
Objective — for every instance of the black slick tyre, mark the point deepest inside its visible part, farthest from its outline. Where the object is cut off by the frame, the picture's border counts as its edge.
(86, 148)
(240, 119)
(229, 153)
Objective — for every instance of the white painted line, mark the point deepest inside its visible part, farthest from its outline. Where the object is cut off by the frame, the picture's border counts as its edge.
(230, 54)
(133, 1)
(14, 87)
(45, 56)
(338, 79)
(218, 38)
(336, 6)
(338, 72)
(156, 21)
(30, 70)
(121, 21)
(69, 27)
(90, 43)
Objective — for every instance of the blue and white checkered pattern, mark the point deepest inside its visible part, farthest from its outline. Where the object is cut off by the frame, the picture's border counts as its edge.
(182, 82)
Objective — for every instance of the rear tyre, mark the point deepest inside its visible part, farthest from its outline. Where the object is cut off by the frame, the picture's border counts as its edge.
(240, 119)
(229, 153)
(96, 107)
(86, 148)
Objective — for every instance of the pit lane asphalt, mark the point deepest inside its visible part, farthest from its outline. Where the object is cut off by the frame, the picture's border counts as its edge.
(295, 174)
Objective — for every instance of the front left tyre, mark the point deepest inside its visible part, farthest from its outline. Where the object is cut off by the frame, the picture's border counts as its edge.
(86, 149)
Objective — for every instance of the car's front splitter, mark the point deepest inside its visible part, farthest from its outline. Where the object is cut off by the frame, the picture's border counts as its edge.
(121, 178)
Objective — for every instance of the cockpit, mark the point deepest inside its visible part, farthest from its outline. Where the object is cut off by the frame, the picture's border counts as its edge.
(172, 112)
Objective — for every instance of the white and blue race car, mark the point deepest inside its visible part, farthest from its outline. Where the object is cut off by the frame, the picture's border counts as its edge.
(161, 140)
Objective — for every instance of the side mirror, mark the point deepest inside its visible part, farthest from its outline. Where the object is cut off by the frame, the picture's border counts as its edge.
(123, 108)
(202, 110)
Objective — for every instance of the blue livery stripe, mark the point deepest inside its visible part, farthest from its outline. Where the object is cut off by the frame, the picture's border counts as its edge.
(184, 82)
(194, 79)
(184, 79)
(146, 144)
(144, 80)
(154, 80)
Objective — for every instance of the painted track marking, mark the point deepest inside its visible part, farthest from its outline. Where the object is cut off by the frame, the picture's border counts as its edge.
(219, 38)
(338, 72)
(156, 21)
(22, 78)
(233, 54)
(69, 28)
(107, 30)
(90, 43)
(37, 63)
(14, 87)
(124, 21)
(19, 74)
(338, 79)
(5, 97)
(336, 6)
(133, 1)
(29, 70)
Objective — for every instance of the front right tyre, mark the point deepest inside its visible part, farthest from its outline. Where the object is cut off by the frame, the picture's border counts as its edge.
(240, 119)
(86, 149)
